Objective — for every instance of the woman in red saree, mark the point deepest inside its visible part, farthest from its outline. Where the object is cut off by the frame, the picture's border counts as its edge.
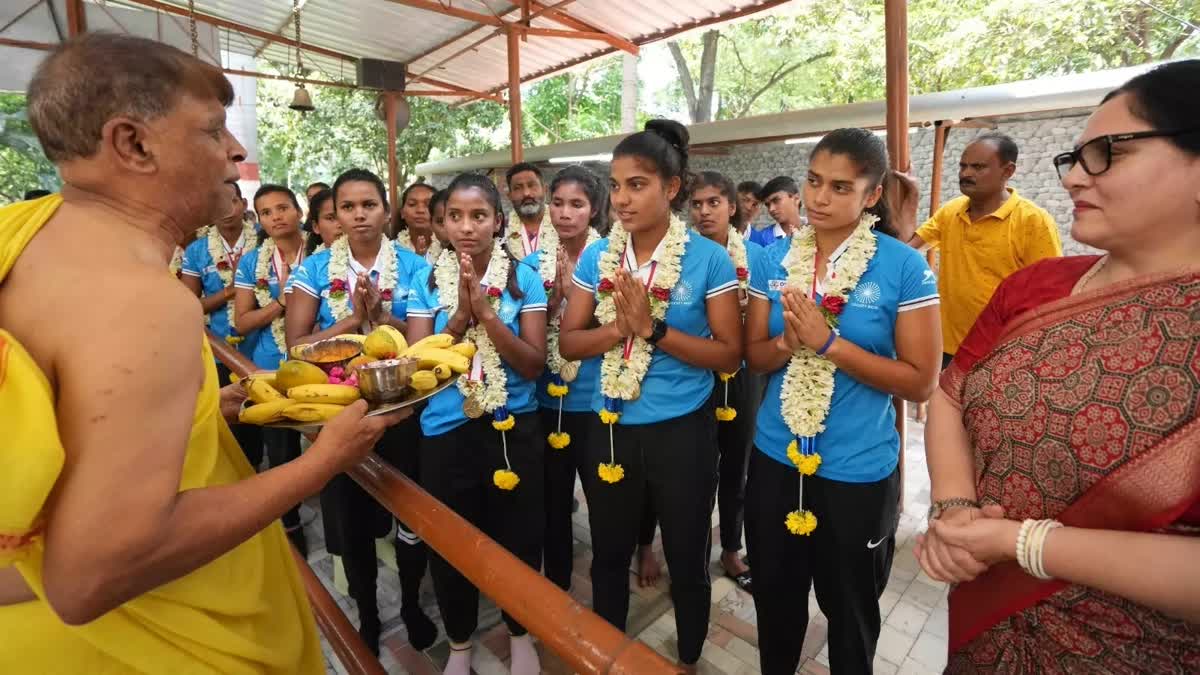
(1075, 401)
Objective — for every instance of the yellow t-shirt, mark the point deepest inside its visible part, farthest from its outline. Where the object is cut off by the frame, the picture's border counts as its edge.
(244, 613)
(976, 257)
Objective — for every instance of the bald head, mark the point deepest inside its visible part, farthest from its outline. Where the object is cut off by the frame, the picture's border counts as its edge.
(96, 77)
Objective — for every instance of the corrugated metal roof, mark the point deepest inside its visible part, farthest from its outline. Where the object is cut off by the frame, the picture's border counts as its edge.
(451, 49)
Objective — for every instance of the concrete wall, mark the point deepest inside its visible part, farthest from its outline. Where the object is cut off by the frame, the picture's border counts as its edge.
(1039, 140)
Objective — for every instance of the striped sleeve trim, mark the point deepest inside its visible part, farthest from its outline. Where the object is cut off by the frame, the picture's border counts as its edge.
(723, 288)
(580, 283)
(296, 283)
(918, 303)
(190, 273)
(420, 313)
(754, 292)
(535, 307)
(243, 284)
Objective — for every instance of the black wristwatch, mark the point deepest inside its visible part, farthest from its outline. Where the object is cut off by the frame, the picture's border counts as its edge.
(658, 331)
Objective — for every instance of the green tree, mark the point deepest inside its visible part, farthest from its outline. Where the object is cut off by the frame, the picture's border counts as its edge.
(578, 104)
(23, 166)
(346, 131)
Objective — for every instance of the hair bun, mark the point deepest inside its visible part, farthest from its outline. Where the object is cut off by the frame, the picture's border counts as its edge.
(672, 132)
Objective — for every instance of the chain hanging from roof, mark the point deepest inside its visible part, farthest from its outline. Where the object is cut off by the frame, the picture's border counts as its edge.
(192, 28)
(301, 100)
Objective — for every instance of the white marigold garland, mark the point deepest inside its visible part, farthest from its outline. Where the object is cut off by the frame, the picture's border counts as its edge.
(404, 240)
(262, 287)
(562, 372)
(226, 271)
(513, 235)
(338, 275)
(735, 246)
(492, 391)
(807, 389)
(620, 377)
(176, 264)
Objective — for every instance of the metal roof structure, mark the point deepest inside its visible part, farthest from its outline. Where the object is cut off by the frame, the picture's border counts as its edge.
(1065, 92)
(457, 49)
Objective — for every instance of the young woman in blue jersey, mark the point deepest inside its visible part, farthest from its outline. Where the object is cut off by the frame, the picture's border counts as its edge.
(322, 223)
(578, 204)
(363, 281)
(208, 268)
(659, 304)
(437, 219)
(259, 306)
(482, 450)
(414, 221)
(843, 317)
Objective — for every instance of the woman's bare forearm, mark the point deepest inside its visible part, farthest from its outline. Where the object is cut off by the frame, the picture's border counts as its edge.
(948, 454)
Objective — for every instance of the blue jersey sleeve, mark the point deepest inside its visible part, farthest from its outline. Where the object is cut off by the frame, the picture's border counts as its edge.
(587, 270)
(245, 271)
(531, 286)
(721, 275)
(192, 264)
(303, 278)
(919, 284)
(421, 303)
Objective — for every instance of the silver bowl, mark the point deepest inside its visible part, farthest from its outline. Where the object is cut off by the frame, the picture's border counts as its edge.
(386, 381)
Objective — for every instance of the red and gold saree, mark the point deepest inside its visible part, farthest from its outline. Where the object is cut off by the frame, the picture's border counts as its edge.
(1082, 408)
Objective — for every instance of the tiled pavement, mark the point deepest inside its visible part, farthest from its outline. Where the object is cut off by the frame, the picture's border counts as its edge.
(912, 642)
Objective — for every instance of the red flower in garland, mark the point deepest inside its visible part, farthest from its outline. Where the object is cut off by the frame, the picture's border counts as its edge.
(494, 292)
(262, 283)
(222, 265)
(386, 295)
(660, 293)
(338, 287)
(833, 304)
(743, 274)
(548, 285)
(607, 286)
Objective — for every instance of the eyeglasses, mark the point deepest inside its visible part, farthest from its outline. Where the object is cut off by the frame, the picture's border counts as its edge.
(1096, 155)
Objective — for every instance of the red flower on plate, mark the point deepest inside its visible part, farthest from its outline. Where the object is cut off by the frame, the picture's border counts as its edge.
(386, 295)
(743, 274)
(262, 283)
(833, 304)
(607, 286)
(494, 292)
(660, 293)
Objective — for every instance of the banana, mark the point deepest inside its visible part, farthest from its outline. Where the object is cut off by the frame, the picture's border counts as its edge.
(442, 372)
(429, 357)
(337, 394)
(423, 380)
(312, 412)
(467, 349)
(297, 351)
(353, 336)
(436, 341)
(397, 337)
(265, 413)
(259, 391)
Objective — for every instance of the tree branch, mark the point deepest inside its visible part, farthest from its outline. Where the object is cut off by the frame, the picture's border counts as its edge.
(777, 77)
(708, 76)
(685, 78)
(1169, 50)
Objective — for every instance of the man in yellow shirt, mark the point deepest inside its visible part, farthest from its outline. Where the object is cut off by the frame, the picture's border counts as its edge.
(983, 236)
(134, 535)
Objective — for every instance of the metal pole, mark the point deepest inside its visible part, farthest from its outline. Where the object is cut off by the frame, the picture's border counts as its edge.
(390, 110)
(76, 17)
(896, 45)
(514, 94)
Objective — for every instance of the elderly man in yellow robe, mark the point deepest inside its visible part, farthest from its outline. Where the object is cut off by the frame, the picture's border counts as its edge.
(134, 536)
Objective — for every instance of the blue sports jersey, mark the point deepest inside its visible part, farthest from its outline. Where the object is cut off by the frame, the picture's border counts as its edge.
(312, 277)
(444, 412)
(860, 443)
(671, 387)
(580, 392)
(199, 263)
(266, 353)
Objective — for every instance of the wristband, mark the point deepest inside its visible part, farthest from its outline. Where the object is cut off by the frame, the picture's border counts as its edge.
(828, 343)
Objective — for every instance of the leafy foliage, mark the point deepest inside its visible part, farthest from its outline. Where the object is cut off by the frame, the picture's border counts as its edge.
(22, 164)
(580, 104)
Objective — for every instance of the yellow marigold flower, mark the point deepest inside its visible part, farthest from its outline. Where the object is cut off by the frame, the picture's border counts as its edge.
(726, 414)
(559, 440)
(557, 390)
(809, 464)
(611, 473)
(505, 424)
(234, 339)
(793, 453)
(609, 417)
(505, 480)
(725, 377)
(801, 523)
